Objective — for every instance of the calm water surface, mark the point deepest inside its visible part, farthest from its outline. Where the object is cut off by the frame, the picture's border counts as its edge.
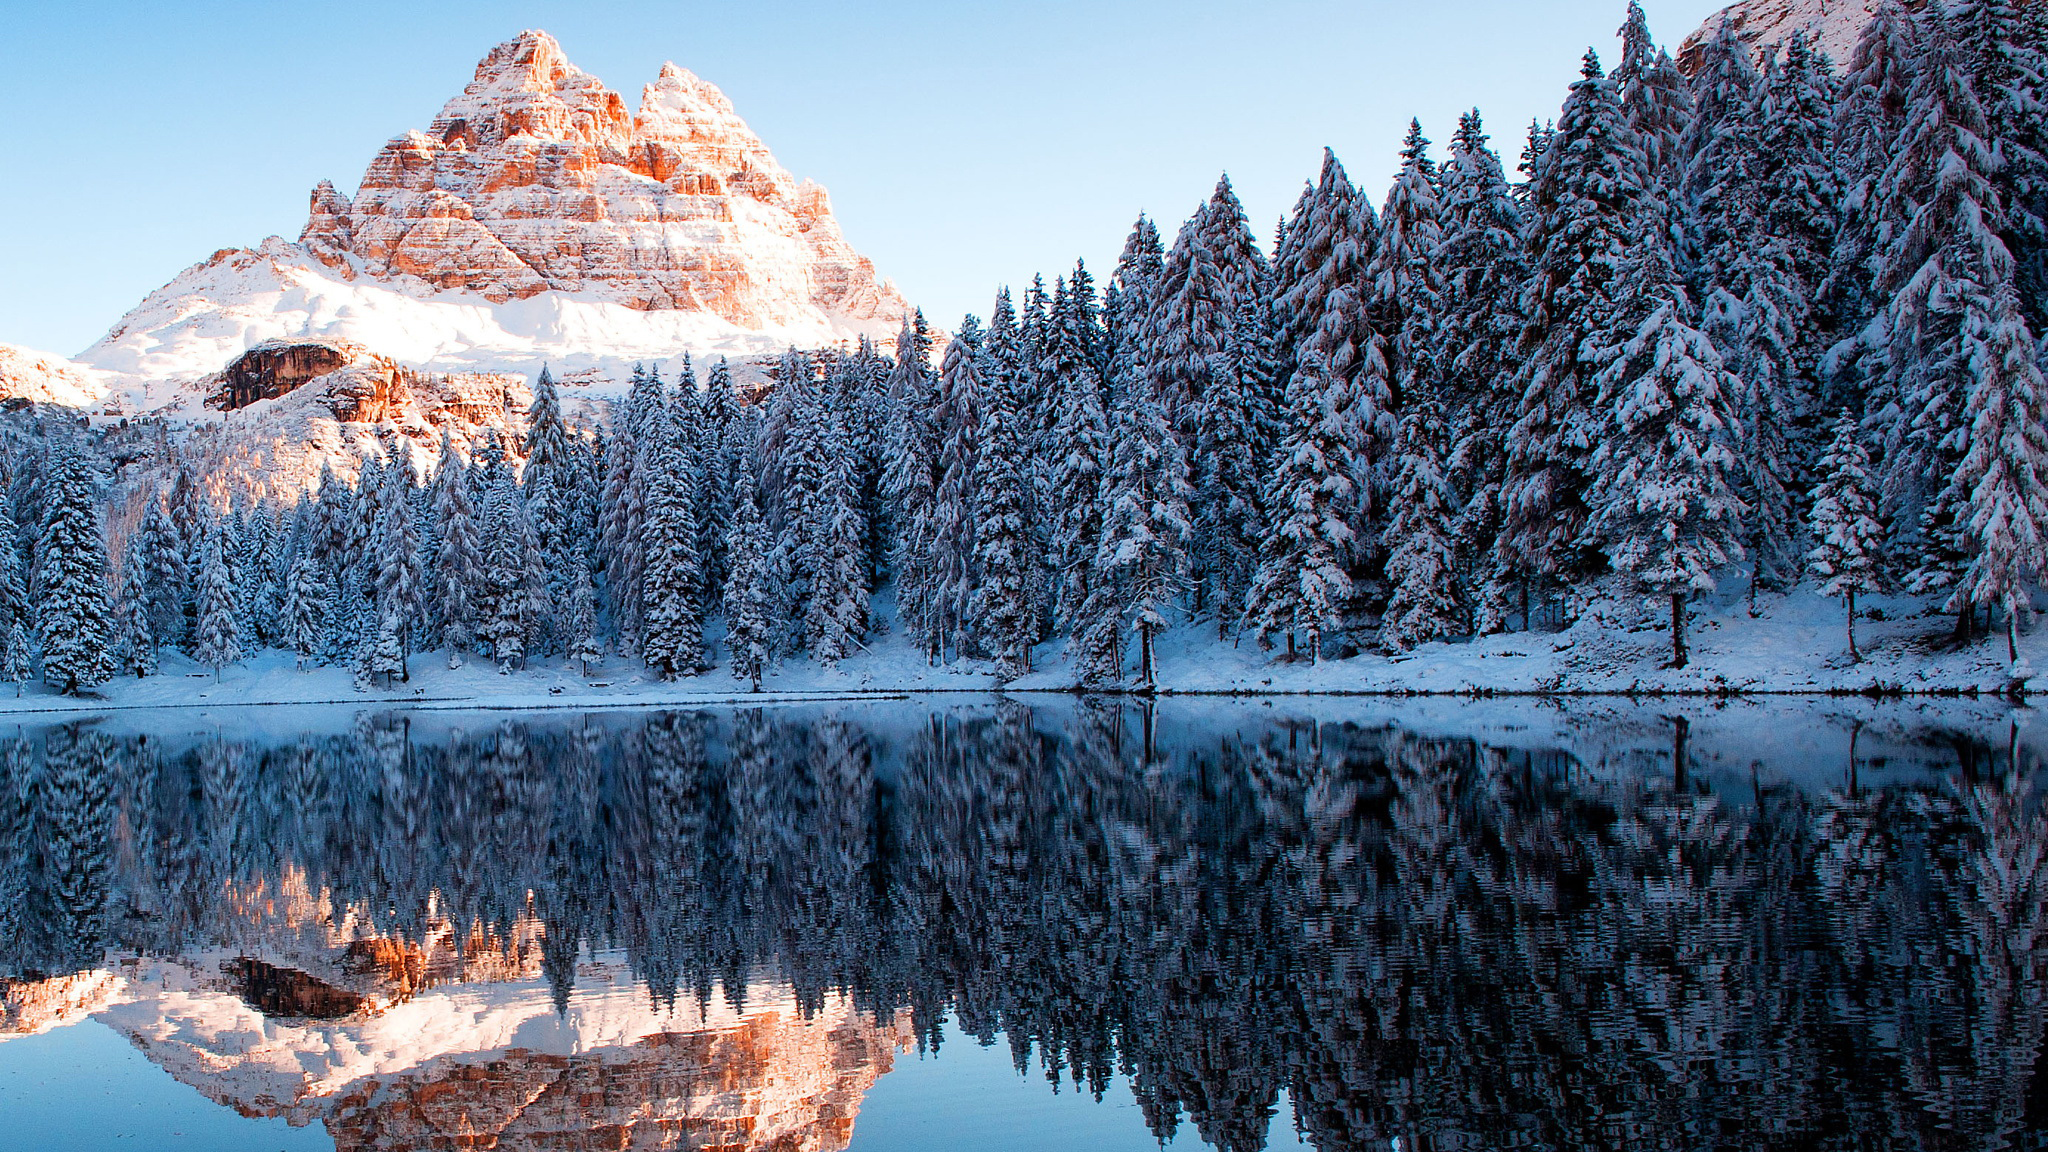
(1063, 926)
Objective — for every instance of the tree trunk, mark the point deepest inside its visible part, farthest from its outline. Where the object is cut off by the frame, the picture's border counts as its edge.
(1145, 656)
(1290, 646)
(2012, 636)
(1966, 622)
(1855, 657)
(1678, 655)
(1681, 755)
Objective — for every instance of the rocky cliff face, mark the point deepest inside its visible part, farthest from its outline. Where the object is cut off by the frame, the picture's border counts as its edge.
(537, 218)
(1831, 25)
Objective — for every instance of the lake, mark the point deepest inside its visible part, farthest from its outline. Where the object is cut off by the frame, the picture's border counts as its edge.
(962, 922)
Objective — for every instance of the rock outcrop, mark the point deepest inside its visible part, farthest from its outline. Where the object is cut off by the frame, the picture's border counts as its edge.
(28, 376)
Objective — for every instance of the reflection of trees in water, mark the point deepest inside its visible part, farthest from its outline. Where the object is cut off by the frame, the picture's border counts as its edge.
(1457, 945)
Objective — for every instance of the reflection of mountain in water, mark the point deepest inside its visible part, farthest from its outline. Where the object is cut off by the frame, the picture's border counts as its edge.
(1444, 941)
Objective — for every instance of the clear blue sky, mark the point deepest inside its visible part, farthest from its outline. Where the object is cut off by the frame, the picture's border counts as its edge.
(965, 144)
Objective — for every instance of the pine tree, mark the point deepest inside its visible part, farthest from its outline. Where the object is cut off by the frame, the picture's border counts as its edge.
(1339, 358)
(1002, 612)
(1664, 504)
(1302, 585)
(1145, 524)
(20, 663)
(1585, 205)
(622, 530)
(134, 642)
(959, 421)
(72, 613)
(1426, 603)
(1848, 556)
(400, 592)
(584, 646)
(457, 568)
(839, 595)
(913, 481)
(387, 652)
(164, 575)
(307, 596)
(673, 643)
(1483, 271)
(506, 605)
(1406, 300)
(749, 593)
(218, 643)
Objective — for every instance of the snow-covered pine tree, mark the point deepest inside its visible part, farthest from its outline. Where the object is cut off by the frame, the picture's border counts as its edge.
(20, 663)
(387, 652)
(714, 492)
(72, 614)
(1483, 271)
(401, 580)
(1074, 500)
(839, 591)
(1946, 331)
(584, 646)
(959, 419)
(1212, 281)
(505, 606)
(622, 528)
(1340, 359)
(218, 642)
(749, 593)
(2000, 487)
(134, 642)
(1427, 602)
(164, 576)
(1235, 438)
(673, 642)
(458, 566)
(1302, 585)
(913, 478)
(14, 607)
(1754, 304)
(1848, 554)
(1664, 504)
(2005, 46)
(1585, 202)
(1406, 300)
(1655, 102)
(1143, 555)
(304, 616)
(1002, 617)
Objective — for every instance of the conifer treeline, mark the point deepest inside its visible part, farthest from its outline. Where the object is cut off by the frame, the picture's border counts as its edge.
(1769, 322)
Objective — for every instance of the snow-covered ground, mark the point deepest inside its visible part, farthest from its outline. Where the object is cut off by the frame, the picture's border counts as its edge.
(1794, 644)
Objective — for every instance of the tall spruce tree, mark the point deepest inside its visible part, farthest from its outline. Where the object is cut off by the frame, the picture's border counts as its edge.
(1848, 553)
(1426, 602)
(218, 643)
(1664, 502)
(1585, 203)
(73, 617)
(1145, 526)
(749, 593)
(673, 643)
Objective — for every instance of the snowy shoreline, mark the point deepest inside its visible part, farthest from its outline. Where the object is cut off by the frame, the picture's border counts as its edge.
(1791, 647)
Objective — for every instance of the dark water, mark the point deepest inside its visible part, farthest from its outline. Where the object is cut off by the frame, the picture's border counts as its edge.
(1232, 925)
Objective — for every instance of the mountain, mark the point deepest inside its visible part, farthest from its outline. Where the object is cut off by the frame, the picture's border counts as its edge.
(1832, 25)
(536, 219)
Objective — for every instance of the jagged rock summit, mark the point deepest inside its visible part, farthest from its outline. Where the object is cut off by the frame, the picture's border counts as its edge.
(535, 219)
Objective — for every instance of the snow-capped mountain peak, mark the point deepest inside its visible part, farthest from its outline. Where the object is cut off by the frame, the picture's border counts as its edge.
(535, 219)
